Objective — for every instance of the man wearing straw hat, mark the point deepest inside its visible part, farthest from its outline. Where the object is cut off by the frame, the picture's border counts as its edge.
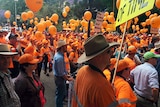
(91, 88)
(60, 73)
(8, 97)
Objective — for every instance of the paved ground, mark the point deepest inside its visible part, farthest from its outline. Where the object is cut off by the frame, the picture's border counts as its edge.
(50, 89)
(49, 85)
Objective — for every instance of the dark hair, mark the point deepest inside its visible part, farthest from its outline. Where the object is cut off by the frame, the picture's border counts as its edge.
(22, 69)
(11, 36)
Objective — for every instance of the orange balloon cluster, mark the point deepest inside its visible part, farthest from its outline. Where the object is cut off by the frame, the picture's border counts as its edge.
(7, 14)
(65, 11)
(34, 5)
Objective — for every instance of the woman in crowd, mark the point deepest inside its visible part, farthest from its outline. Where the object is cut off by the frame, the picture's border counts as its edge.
(29, 89)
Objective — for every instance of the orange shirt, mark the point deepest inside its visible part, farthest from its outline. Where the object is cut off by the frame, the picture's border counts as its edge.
(2, 40)
(66, 60)
(144, 42)
(92, 89)
(73, 56)
(107, 73)
(124, 93)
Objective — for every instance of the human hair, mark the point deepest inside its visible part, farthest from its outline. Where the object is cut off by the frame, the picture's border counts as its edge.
(22, 67)
(58, 49)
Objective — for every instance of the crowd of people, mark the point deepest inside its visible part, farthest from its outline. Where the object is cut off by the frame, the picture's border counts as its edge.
(95, 59)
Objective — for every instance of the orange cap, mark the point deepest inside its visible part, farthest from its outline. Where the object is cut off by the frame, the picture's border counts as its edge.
(122, 65)
(132, 49)
(27, 58)
(29, 49)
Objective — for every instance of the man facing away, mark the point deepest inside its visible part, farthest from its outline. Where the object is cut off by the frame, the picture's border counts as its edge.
(145, 78)
(91, 88)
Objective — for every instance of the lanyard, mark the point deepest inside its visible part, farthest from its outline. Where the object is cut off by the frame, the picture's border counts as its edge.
(96, 69)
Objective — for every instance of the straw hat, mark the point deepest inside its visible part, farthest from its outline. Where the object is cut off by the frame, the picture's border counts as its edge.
(94, 46)
(61, 43)
(4, 50)
(157, 45)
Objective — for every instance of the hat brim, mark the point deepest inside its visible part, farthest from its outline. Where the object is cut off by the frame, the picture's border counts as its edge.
(156, 48)
(8, 53)
(156, 56)
(61, 46)
(34, 61)
(84, 58)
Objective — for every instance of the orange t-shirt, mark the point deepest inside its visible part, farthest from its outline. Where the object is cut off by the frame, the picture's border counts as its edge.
(107, 73)
(66, 60)
(92, 89)
(124, 93)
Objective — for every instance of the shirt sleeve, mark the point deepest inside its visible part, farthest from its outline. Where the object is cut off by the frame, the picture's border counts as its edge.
(60, 68)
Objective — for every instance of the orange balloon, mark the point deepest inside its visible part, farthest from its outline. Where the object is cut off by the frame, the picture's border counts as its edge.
(34, 5)
(30, 14)
(143, 24)
(148, 13)
(7, 14)
(31, 21)
(111, 18)
(55, 17)
(112, 13)
(40, 27)
(104, 24)
(67, 9)
(39, 36)
(64, 14)
(14, 23)
(118, 3)
(87, 15)
(147, 21)
(157, 4)
(48, 23)
(52, 30)
(24, 16)
(155, 22)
